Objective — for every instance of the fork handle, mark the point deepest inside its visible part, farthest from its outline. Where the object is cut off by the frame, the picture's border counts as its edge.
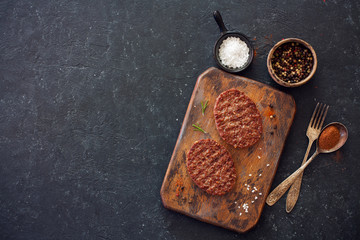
(294, 191)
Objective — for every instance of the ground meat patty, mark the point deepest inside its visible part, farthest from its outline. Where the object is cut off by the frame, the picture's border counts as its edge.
(211, 167)
(237, 119)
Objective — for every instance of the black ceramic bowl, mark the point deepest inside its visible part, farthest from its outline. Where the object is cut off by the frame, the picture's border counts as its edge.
(224, 35)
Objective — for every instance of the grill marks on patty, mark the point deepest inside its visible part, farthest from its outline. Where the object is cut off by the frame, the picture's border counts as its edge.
(211, 167)
(237, 119)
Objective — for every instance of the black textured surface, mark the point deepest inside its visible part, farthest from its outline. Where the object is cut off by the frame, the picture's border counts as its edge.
(93, 93)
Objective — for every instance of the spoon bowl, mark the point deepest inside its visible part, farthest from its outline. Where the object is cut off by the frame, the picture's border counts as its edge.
(343, 137)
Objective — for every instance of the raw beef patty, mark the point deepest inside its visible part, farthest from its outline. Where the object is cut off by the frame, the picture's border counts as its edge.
(237, 119)
(211, 167)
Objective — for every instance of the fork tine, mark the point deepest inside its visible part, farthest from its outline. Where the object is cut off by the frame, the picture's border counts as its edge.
(318, 110)
(323, 117)
(318, 117)
(312, 117)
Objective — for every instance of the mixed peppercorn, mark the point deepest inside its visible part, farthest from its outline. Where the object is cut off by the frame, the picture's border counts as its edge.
(292, 62)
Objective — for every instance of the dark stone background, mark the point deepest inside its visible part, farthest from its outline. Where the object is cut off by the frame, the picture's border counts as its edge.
(92, 97)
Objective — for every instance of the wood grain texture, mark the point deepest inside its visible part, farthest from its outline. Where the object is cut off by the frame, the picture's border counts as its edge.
(255, 166)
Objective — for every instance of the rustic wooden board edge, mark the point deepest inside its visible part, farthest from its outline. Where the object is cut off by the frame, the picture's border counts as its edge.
(191, 102)
(182, 129)
(277, 163)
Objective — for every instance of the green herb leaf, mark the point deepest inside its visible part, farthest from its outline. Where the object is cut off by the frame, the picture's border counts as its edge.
(198, 128)
(204, 106)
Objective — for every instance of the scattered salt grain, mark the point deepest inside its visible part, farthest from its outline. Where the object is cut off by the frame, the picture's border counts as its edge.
(240, 214)
(252, 201)
(260, 175)
(267, 165)
(260, 193)
(259, 157)
(233, 52)
(253, 191)
(256, 197)
(250, 175)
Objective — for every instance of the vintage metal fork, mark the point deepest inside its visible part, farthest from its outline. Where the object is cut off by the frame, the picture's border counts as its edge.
(313, 131)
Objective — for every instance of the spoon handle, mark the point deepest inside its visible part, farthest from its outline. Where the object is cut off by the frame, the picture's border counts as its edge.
(277, 193)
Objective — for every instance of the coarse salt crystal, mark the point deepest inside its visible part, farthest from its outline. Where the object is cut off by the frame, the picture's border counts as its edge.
(260, 193)
(259, 157)
(255, 197)
(233, 52)
(267, 165)
(250, 175)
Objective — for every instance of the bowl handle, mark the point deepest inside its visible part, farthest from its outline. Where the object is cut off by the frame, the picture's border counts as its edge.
(220, 22)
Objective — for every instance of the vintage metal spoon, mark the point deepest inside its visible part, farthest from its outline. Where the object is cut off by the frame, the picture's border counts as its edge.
(277, 193)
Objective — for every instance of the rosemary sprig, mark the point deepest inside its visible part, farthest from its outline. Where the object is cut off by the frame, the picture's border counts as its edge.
(198, 128)
(204, 106)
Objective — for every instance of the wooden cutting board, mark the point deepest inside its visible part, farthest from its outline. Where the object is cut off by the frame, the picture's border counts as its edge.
(239, 209)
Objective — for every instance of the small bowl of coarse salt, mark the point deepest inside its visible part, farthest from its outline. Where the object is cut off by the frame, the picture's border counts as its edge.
(233, 51)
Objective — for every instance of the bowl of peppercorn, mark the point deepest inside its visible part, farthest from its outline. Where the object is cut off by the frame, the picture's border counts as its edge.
(292, 62)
